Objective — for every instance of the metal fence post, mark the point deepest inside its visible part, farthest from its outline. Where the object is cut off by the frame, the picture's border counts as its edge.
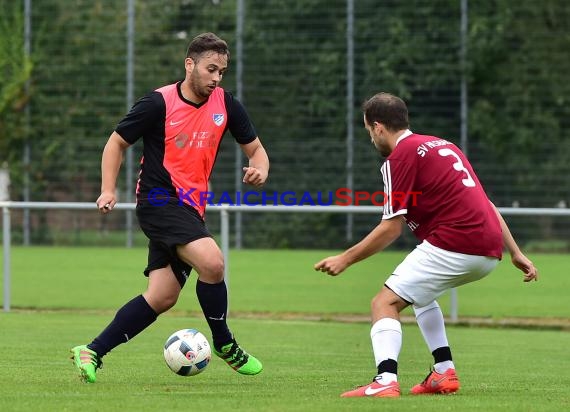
(225, 241)
(6, 240)
(454, 305)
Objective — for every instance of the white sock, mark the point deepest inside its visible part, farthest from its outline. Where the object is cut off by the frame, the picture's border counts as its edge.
(431, 323)
(386, 377)
(386, 336)
(441, 367)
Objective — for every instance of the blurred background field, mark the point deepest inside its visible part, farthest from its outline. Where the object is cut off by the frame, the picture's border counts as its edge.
(274, 283)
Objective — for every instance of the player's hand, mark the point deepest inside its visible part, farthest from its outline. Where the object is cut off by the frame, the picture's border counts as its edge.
(254, 176)
(332, 265)
(526, 266)
(106, 202)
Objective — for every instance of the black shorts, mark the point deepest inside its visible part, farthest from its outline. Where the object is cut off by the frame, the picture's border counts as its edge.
(168, 226)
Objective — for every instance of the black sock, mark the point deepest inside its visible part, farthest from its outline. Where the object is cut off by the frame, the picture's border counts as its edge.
(130, 320)
(442, 354)
(388, 365)
(213, 299)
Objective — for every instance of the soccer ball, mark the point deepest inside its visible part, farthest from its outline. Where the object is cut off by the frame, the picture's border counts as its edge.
(187, 352)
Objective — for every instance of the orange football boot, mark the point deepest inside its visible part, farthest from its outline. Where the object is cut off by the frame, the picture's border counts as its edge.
(442, 383)
(375, 389)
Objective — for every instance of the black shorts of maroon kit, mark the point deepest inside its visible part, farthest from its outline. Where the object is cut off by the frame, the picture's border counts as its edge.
(166, 227)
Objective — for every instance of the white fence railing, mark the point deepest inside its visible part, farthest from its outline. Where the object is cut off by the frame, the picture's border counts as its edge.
(225, 211)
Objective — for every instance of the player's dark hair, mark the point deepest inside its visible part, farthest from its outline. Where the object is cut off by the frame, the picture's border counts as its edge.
(206, 42)
(387, 109)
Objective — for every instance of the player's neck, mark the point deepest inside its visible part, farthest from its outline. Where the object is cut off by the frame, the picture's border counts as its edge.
(188, 94)
(393, 137)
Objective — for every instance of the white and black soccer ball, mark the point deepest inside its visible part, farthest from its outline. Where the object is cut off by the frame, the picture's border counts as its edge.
(187, 352)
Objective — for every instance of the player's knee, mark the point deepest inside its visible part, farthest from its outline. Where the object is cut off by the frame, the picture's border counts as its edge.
(169, 301)
(213, 271)
(160, 303)
(387, 301)
(376, 304)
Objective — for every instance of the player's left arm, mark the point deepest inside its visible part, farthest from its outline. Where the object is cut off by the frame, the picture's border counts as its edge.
(378, 239)
(256, 173)
(517, 257)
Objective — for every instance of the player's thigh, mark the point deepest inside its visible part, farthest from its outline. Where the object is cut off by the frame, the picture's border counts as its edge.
(205, 257)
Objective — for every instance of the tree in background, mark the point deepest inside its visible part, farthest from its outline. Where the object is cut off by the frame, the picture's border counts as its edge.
(294, 87)
(519, 113)
(15, 71)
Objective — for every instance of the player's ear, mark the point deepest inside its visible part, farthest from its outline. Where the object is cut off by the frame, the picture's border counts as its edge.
(189, 64)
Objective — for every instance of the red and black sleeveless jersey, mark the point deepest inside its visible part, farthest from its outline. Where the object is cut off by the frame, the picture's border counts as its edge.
(181, 140)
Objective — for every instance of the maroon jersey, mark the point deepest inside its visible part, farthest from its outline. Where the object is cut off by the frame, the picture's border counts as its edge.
(181, 141)
(431, 182)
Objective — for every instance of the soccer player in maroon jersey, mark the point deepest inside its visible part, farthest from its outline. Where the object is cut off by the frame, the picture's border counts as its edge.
(462, 237)
(181, 126)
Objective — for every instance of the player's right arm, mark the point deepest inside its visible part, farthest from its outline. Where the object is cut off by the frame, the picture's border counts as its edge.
(517, 257)
(110, 166)
(377, 240)
(143, 116)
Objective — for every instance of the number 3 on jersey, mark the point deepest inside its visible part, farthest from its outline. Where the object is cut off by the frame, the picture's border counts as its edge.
(468, 181)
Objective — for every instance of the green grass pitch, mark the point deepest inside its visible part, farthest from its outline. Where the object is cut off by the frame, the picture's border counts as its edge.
(63, 297)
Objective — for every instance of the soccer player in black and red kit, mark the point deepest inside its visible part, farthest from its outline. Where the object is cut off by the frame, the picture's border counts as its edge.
(181, 126)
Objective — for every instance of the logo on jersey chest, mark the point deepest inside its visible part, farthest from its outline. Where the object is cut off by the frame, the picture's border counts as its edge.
(424, 148)
(218, 118)
(196, 140)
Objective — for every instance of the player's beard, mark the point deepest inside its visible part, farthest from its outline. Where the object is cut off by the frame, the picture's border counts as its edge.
(384, 151)
(198, 89)
(383, 148)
